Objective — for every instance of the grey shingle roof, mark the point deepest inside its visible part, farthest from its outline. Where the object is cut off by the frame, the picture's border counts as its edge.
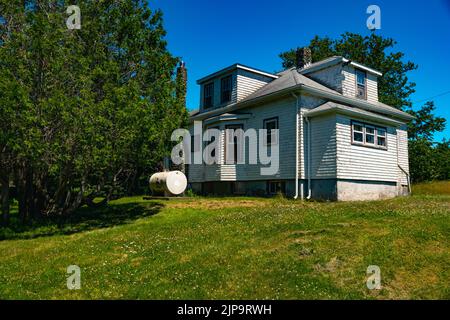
(330, 106)
(291, 77)
(287, 78)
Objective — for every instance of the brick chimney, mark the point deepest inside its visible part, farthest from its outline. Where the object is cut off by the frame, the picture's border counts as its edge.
(303, 57)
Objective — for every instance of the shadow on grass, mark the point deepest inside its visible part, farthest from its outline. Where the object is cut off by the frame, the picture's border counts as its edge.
(84, 219)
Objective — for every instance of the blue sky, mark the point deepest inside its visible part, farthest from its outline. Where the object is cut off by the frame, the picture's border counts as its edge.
(212, 34)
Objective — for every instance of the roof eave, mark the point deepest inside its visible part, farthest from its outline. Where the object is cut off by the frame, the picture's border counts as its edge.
(355, 112)
(358, 103)
(234, 67)
(321, 93)
(338, 60)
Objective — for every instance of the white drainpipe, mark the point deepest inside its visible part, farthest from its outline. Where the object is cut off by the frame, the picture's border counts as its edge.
(296, 144)
(309, 157)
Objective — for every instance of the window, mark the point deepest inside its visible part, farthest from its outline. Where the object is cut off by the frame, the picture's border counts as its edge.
(225, 89)
(208, 95)
(211, 138)
(232, 141)
(276, 187)
(381, 137)
(271, 125)
(369, 135)
(360, 84)
(358, 133)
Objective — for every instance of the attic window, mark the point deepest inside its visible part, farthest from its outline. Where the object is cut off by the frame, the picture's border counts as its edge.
(360, 84)
(225, 89)
(208, 95)
(369, 135)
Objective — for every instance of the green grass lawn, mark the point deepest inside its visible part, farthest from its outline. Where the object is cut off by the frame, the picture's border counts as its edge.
(236, 248)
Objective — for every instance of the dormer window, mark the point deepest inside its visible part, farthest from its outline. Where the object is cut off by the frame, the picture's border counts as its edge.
(360, 84)
(208, 94)
(225, 89)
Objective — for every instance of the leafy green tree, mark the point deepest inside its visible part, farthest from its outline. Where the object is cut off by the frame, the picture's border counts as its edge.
(426, 123)
(442, 150)
(85, 113)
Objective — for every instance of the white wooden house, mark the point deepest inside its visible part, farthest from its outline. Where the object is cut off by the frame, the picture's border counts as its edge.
(336, 140)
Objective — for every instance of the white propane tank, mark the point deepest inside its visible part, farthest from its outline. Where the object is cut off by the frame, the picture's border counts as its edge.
(169, 182)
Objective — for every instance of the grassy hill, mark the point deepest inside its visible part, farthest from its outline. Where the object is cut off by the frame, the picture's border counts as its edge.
(233, 248)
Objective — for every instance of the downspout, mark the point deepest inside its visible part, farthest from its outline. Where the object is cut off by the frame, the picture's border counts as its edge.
(309, 157)
(296, 143)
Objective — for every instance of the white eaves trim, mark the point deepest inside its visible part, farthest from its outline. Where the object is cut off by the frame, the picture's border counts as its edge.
(228, 117)
(362, 67)
(337, 60)
(358, 103)
(233, 67)
(351, 111)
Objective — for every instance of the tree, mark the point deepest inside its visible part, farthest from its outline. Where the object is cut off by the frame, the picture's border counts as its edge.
(426, 123)
(427, 159)
(84, 112)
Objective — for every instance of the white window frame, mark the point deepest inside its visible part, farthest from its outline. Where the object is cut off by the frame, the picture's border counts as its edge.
(357, 131)
(375, 129)
(362, 85)
(384, 137)
(273, 135)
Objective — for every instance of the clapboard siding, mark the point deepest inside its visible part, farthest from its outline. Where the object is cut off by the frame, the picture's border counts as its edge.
(249, 82)
(331, 77)
(349, 84)
(365, 163)
(323, 147)
(306, 102)
(349, 81)
(372, 88)
(403, 159)
(285, 111)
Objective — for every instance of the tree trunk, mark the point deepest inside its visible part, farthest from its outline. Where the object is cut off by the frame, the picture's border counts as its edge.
(5, 201)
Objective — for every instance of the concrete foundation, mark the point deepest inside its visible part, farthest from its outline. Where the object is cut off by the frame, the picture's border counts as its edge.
(351, 190)
(321, 189)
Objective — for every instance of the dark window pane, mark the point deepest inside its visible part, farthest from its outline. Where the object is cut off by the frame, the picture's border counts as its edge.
(357, 127)
(225, 90)
(361, 78)
(381, 132)
(357, 136)
(381, 141)
(370, 138)
(208, 95)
